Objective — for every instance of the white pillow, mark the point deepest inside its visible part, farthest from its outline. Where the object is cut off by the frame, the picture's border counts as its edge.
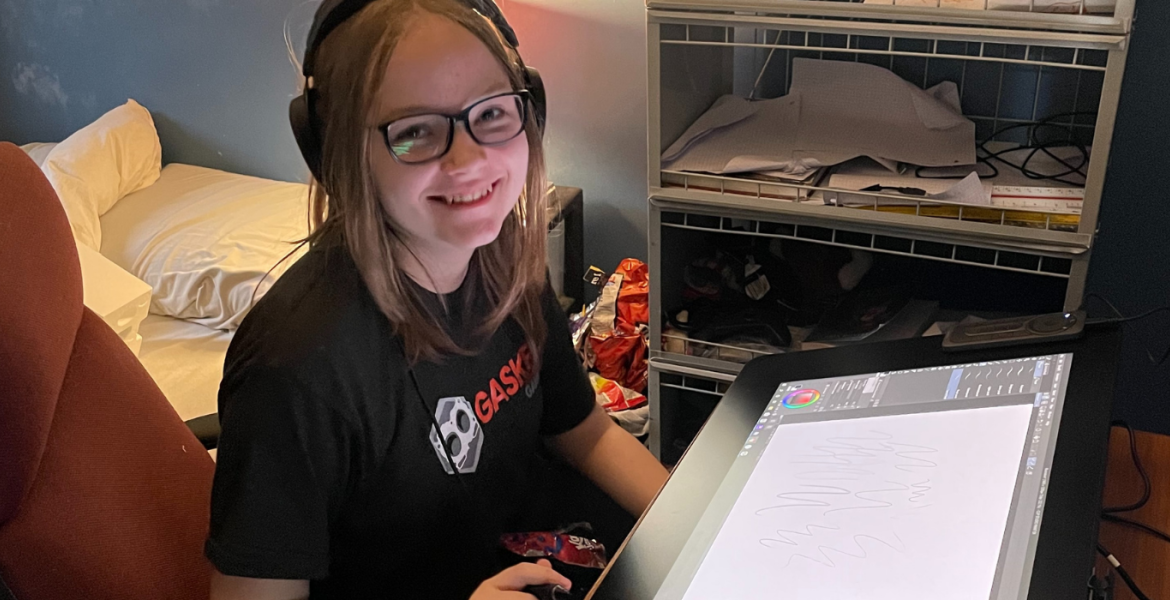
(203, 239)
(100, 163)
(38, 151)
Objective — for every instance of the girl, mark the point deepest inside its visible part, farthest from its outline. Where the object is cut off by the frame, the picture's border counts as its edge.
(383, 405)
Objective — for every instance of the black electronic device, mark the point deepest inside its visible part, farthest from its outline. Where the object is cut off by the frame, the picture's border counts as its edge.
(548, 591)
(970, 334)
(887, 470)
(331, 14)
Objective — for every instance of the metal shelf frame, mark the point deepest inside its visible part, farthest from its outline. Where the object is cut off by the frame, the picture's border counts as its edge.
(1050, 264)
(990, 223)
(691, 379)
(1117, 23)
(704, 43)
(1069, 51)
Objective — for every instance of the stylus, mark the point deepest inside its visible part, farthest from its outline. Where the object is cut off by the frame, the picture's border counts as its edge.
(548, 591)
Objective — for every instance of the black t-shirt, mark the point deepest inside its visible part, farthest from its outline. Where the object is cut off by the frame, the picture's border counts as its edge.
(329, 466)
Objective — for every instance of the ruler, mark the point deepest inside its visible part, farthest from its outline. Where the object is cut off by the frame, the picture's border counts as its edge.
(1046, 199)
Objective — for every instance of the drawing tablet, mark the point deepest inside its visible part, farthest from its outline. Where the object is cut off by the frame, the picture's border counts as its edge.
(888, 472)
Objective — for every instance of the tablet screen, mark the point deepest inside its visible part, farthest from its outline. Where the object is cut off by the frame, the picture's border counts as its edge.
(921, 483)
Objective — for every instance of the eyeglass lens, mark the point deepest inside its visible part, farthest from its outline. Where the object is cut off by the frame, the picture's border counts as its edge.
(423, 137)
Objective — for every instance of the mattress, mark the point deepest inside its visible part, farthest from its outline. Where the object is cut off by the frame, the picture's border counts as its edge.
(186, 361)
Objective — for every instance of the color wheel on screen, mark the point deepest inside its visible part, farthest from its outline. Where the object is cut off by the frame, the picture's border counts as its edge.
(800, 398)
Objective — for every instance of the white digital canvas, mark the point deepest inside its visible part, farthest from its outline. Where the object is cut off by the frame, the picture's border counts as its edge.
(881, 508)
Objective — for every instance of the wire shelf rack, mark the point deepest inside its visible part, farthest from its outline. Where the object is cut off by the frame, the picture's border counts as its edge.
(1090, 16)
(1060, 84)
(690, 383)
(1063, 220)
(673, 343)
(1003, 87)
(1048, 55)
(991, 258)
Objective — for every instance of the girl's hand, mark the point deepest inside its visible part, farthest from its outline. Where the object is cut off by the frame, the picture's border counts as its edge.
(508, 583)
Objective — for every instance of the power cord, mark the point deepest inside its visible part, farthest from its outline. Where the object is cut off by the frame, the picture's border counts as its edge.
(1121, 572)
(1135, 525)
(1109, 513)
(1034, 146)
(1137, 463)
(1121, 318)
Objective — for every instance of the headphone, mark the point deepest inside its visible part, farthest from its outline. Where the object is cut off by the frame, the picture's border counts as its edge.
(306, 124)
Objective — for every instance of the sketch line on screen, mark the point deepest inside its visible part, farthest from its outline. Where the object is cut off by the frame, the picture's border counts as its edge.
(838, 461)
(823, 551)
(832, 474)
(863, 495)
(798, 501)
(843, 451)
(922, 462)
(920, 490)
(784, 539)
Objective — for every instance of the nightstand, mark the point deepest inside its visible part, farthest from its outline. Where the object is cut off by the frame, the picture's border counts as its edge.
(566, 255)
(119, 298)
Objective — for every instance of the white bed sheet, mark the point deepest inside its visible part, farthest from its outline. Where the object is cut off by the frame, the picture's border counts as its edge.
(186, 361)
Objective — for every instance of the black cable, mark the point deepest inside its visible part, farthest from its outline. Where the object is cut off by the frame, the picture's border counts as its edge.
(1036, 146)
(1137, 463)
(1135, 525)
(435, 423)
(979, 160)
(1092, 295)
(1121, 572)
(438, 432)
(1108, 515)
(1120, 318)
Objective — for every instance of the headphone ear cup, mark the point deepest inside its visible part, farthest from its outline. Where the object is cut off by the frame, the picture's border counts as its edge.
(305, 134)
(536, 90)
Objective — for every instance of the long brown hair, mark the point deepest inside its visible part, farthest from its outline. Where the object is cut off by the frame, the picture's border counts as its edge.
(506, 276)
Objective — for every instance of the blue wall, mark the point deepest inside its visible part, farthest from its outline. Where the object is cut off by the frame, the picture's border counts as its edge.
(1131, 259)
(215, 74)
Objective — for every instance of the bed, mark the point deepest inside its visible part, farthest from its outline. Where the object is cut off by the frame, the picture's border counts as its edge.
(186, 361)
(205, 241)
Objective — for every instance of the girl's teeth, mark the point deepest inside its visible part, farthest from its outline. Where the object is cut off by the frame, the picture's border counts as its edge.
(461, 199)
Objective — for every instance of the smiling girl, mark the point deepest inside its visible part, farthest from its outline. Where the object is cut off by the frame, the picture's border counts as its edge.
(383, 405)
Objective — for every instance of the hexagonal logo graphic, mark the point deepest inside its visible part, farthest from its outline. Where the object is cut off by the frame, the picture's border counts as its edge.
(461, 430)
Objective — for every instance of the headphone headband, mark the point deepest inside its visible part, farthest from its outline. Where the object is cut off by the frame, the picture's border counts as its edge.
(332, 13)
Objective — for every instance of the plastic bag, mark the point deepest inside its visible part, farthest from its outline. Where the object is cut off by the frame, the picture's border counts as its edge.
(614, 397)
(618, 328)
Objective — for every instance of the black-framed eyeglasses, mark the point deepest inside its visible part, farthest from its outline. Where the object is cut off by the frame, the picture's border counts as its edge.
(422, 138)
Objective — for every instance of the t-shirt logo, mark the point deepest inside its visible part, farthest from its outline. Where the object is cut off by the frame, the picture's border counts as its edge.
(461, 430)
(517, 374)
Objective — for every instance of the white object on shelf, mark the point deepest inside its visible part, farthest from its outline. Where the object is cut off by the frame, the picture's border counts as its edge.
(119, 298)
(835, 111)
(1042, 198)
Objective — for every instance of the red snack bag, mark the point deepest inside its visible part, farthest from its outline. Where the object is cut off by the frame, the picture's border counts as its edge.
(569, 549)
(634, 299)
(614, 397)
(620, 321)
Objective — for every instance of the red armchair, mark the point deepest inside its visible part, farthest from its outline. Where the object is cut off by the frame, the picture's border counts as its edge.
(104, 492)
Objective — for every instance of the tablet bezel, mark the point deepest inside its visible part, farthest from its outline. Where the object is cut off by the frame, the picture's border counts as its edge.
(1066, 547)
